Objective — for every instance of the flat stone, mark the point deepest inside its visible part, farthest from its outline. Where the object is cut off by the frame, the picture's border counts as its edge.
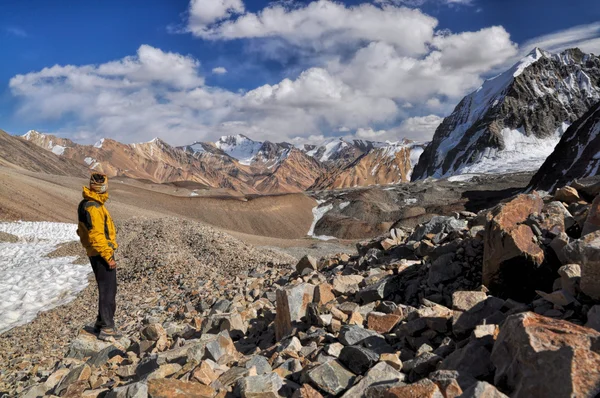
(381, 374)
(87, 344)
(382, 323)
(263, 386)
(358, 359)
(172, 388)
(306, 263)
(482, 389)
(205, 374)
(422, 389)
(331, 377)
(569, 352)
(344, 284)
(391, 359)
(471, 309)
(102, 356)
(164, 371)
(567, 195)
(354, 334)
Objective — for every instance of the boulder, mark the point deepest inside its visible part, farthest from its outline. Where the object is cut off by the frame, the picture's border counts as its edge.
(263, 386)
(172, 388)
(586, 252)
(205, 374)
(260, 363)
(358, 359)
(473, 359)
(283, 320)
(570, 355)
(511, 256)
(306, 263)
(556, 218)
(443, 269)
(102, 356)
(331, 377)
(219, 348)
(381, 374)
(592, 222)
(482, 389)
(567, 194)
(570, 275)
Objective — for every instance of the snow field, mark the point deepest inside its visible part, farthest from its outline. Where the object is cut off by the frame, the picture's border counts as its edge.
(31, 282)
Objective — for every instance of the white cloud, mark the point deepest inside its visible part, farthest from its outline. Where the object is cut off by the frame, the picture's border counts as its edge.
(420, 128)
(219, 70)
(586, 37)
(202, 13)
(323, 25)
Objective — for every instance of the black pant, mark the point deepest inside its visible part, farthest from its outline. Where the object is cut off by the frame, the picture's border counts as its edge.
(107, 291)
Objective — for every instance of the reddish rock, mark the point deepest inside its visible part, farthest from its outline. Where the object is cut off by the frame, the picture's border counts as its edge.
(536, 356)
(449, 388)
(592, 222)
(510, 252)
(171, 388)
(283, 321)
(423, 389)
(382, 323)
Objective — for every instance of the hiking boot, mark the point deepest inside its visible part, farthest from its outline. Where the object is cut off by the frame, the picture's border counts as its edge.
(108, 334)
(97, 327)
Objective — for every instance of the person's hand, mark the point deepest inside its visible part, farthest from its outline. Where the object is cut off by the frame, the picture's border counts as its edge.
(112, 264)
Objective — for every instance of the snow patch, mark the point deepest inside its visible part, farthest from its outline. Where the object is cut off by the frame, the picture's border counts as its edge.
(239, 147)
(343, 205)
(58, 149)
(99, 143)
(30, 281)
(89, 160)
(410, 201)
(462, 177)
(318, 213)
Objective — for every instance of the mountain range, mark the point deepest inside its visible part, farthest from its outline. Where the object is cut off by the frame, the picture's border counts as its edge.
(541, 111)
(244, 165)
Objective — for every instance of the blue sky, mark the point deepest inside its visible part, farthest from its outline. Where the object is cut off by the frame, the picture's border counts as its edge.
(291, 70)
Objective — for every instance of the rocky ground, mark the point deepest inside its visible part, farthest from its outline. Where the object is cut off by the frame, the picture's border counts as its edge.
(503, 302)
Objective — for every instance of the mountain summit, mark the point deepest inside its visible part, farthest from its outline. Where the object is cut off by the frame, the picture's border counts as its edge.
(514, 121)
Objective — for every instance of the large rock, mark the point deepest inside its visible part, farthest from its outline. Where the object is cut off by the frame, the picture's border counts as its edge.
(87, 344)
(354, 334)
(264, 386)
(586, 252)
(536, 356)
(220, 348)
(346, 284)
(567, 194)
(381, 374)
(331, 377)
(358, 359)
(172, 388)
(379, 291)
(298, 298)
(511, 257)
(80, 373)
(592, 223)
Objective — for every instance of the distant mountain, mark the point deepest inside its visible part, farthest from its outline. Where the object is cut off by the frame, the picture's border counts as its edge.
(514, 121)
(21, 154)
(577, 155)
(380, 164)
(244, 165)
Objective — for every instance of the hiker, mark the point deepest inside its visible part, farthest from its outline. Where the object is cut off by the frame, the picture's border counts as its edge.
(98, 236)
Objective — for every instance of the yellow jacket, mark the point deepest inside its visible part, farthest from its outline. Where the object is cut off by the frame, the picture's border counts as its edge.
(96, 229)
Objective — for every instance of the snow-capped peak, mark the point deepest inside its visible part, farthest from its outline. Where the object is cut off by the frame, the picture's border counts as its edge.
(32, 133)
(239, 147)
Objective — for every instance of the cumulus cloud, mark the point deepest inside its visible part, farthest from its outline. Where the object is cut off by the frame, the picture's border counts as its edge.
(219, 70)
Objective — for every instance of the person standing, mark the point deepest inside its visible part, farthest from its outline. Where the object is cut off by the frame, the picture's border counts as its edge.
(97, 234)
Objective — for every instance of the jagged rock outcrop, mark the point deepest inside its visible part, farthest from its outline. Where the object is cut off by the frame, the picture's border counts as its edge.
(576, 156)
(513, 121)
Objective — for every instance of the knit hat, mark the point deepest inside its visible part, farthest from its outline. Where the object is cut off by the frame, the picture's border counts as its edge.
(99, 182)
